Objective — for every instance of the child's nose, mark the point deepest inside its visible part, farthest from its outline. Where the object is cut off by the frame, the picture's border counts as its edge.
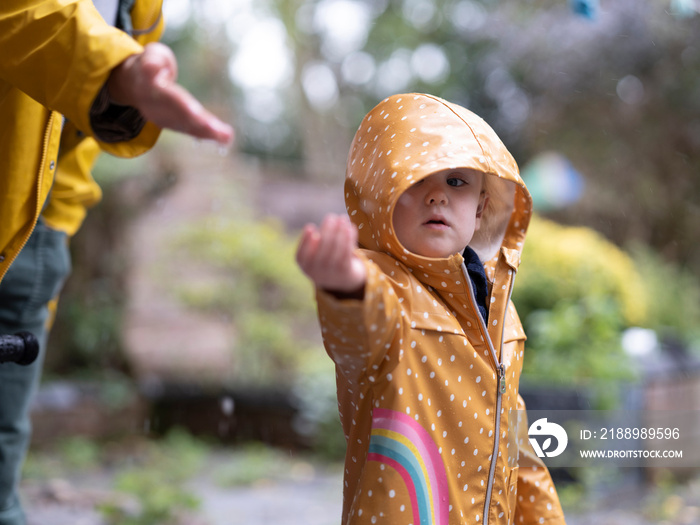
(435, 195)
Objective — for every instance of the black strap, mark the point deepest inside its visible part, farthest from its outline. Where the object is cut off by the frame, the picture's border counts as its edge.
(124, 16)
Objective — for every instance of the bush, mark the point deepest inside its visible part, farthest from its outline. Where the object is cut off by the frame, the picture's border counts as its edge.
(319, 420)
(259, 286)
(674, 292)
(576, 293)
(271, 303)
(563, 263)
(157, 480)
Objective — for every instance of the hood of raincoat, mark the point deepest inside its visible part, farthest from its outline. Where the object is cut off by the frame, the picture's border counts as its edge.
(408, 137)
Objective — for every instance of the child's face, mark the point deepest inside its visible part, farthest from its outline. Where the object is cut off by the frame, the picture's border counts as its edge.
(438, 215)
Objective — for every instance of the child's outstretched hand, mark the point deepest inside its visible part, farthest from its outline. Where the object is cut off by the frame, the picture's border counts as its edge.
(327, 257)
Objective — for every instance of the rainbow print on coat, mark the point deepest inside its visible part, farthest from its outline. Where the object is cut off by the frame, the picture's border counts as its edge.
(402, 444)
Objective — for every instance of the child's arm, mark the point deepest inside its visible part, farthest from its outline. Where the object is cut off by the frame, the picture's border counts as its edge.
(355, 332)
(327, 256)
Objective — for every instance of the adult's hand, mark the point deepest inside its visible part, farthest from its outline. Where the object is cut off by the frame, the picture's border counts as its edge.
(147, 82)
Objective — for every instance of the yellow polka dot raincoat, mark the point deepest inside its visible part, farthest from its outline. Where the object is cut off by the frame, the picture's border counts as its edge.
(426, 386)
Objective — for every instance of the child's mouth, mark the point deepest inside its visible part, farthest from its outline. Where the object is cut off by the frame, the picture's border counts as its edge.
(436, 219)
(436, 223)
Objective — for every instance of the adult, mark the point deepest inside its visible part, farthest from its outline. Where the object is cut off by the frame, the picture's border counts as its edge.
(76, 78)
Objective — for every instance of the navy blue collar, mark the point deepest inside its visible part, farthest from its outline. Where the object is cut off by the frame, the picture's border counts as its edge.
(476, 272)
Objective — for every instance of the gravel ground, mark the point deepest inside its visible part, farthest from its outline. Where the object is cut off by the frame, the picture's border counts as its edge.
(314, 500)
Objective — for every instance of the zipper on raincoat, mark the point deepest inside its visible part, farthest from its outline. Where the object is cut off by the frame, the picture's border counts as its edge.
(501, 386)
(40, 180)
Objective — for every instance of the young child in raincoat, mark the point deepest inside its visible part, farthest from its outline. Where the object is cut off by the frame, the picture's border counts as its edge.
(427, 345)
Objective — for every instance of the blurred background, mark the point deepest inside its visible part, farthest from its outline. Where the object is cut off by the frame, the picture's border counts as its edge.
(186, 382)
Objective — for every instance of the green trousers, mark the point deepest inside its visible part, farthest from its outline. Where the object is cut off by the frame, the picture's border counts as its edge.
(35, 277)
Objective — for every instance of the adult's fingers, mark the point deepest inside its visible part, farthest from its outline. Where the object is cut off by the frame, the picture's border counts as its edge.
(173, 107)
(147, 82)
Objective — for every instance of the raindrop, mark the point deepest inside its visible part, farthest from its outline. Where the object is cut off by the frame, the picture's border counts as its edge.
(227, 405)
(630, 90)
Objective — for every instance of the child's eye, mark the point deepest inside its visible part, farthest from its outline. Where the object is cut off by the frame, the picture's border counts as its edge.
(452, 181)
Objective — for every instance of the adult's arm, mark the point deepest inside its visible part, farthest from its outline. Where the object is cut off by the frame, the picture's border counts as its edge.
(62, 53)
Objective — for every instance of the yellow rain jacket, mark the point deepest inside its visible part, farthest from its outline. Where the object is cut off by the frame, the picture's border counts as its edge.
(55, 57)
(427, 388)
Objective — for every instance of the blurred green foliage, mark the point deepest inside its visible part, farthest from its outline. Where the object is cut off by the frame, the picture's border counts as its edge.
(674, 296)
(576, 293)
(87, 335)
(319, 420)
(271, 303)
(90, 330)
(75, 454)
(160, 501)
(261, 289)
(157, 478)
(257, 463)
(153, 475)
(563, 263)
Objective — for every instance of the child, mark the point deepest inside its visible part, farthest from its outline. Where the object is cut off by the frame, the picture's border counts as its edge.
(428, 349)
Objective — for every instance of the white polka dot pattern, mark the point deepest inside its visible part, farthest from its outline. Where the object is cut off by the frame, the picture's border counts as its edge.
(415, 350)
